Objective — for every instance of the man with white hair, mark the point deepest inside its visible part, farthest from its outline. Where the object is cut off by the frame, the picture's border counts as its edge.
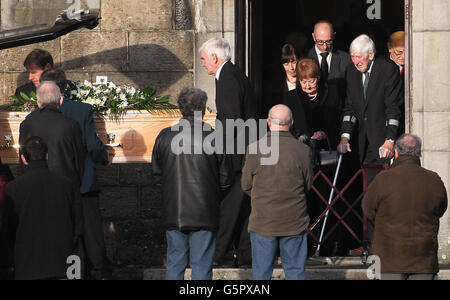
(372, 105)
(66, 151)
(373, 101)
(234, 100)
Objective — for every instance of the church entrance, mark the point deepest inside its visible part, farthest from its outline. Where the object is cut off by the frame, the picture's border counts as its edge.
(263, 27)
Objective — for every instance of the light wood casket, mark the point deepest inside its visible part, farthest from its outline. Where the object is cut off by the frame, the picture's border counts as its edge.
(136, 132)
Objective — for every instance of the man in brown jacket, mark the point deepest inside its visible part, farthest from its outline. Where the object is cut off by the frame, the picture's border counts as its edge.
(406, 203)
(277, 190)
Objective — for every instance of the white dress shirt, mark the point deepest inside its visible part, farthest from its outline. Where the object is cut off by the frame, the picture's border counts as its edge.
(320, 58)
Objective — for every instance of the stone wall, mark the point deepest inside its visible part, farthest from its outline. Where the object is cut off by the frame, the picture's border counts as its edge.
(138, 42)
(135, 43)
(431, 93)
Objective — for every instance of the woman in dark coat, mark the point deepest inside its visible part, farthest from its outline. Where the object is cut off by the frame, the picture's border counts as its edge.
(316, 106)
(283, 77)
(317, 113)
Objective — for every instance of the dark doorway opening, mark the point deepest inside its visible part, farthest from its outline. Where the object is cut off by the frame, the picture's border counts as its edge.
(294, 20)
(264, 28)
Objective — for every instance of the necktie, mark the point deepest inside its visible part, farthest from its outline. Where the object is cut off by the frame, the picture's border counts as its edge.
(324, 66)
(366, 83)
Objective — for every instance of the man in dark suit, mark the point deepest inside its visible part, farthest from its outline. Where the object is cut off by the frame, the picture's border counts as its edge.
(61, 134)
(234, 100)
(373, 101)
(42, 217)
(333, 63)
(36, 62)
(100, 266)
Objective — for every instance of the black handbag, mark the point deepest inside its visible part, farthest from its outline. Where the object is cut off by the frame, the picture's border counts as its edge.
(324, 157)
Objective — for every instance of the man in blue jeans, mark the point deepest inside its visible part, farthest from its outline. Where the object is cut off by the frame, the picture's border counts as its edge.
(193, 182)
(279, 218)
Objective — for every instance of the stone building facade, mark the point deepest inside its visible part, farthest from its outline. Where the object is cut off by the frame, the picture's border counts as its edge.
(142, 42)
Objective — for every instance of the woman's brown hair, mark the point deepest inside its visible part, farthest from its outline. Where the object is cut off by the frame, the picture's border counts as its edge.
(308, 68)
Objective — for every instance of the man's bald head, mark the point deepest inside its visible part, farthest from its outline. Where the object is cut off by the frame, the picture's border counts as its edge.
(409, 144)
(323, 36)
(323, 26)
(280, 118)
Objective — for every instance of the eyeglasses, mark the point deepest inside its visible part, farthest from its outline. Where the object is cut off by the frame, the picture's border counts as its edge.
(320, 42)
(398, 52)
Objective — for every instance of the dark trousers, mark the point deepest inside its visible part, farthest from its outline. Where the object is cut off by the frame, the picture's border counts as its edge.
(372, 158)
(97, 263)
(233, 227)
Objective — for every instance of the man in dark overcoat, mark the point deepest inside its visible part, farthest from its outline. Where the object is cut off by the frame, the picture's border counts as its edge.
(406, 202)
(98, 264)
(61, 134)
(234, 100)
(42, 217)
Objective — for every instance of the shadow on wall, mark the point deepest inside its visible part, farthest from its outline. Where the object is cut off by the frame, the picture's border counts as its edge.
(140, 65)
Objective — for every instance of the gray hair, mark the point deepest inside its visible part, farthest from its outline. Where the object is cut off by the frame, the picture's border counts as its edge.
(219, 47)
(363, 44)
(409, 144)
(281, 119)
(48, 93)
(191, 100)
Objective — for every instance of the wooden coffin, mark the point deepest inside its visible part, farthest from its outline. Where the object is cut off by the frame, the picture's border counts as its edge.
(136, 133)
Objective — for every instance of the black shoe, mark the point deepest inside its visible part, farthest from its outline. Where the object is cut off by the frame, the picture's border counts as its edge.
(244, 263)
(225, 264)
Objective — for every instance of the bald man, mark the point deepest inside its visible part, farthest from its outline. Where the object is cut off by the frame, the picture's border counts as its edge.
(279, 217)
(333, 63)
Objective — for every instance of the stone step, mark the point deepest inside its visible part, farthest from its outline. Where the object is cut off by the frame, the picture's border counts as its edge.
(317, 268)
(312, 273)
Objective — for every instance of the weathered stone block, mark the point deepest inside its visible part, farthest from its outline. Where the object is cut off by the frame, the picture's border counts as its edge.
(151, 205)
(140, 242)
(108, 175)
(119, 202)
(136, 15)
(135, 174)
(435, 76)
(79, 76)
(417, 14)
(165, 83)
(8, 84)
(13, 58)
(161, 51)
(183, 15)
(418, 68)
(437, 131)
(94, 51)
(436, 15)
(417, 121)
(212, 15)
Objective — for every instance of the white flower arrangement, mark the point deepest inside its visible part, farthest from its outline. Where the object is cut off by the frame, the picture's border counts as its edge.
(116, 100)
(105, 98)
